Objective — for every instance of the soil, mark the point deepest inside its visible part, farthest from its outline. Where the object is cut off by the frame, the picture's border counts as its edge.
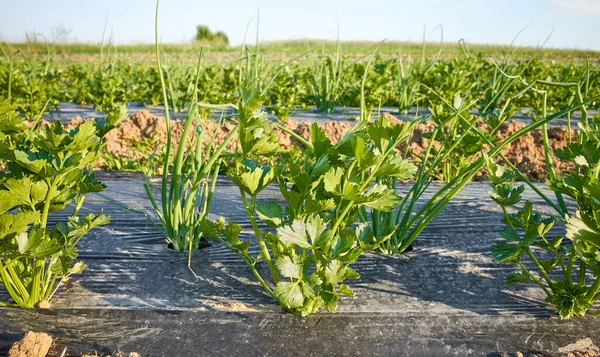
(34, 344)
(146, 130)
(234, 306)
(118, 354)
(44, 304)
(582, 348)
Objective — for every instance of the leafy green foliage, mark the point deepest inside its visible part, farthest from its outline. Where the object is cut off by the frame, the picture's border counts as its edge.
(286, 91)
(527, 233)
(48, 168)
(35, 80)
(326, 76)
(315, 239)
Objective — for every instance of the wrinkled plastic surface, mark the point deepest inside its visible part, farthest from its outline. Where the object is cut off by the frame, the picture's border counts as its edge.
(341, 114)
(446, 297)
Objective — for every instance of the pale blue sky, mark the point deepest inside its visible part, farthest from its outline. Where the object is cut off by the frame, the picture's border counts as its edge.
(576, 22)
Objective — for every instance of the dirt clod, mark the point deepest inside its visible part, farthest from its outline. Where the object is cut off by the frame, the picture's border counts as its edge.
(44, 304)
(582, 348)
(34, 344)
(234, 306)
(118, 354)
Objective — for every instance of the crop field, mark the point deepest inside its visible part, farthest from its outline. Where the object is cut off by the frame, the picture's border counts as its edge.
(418, 199)
(319, 76)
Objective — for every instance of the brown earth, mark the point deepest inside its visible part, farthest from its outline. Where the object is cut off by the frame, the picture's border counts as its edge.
(33, 344)
(144, 129)
(582, 348)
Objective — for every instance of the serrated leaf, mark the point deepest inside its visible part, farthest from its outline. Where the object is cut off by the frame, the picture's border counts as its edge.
(78, 268)
(320, 141)
(397, 167)
(320, 167)
(498, 174)
(8, 201)
(335, 272)
(344, 242)
(315, 226)
(509, 234)
(36, 245)
(516, 278)
(313, 205)
(352, 274)
(12, 224)
(294, 235)
(288, 268)
(580, 160)
(255, 135)
(381, 198)
(32, 163)
(209, 229)
(548, 265)
(365, 157)
(505, 195)
(586, 239)
(270, 213)
(364, 233)
(333, 180)
(84, 137)
(324, 238)
(503, 252)
(89, 184)
(345, 289)
(231, 231)
(253, 179)
(384, 134)
(289, 294)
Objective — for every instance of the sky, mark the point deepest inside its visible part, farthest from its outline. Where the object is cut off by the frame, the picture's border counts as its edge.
(574, 23)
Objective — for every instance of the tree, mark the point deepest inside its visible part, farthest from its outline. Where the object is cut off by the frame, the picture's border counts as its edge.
(203, 33)
(221, 36)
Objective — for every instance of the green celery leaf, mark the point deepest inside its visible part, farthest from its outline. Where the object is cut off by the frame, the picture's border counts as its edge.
(289, 294)
(503, 252)
(516, 278)
(288, 268)
(294, 235)
(382, 198)
(345, 289)
(270, 213)
(333, 180)
(335, 272)
(319, 140)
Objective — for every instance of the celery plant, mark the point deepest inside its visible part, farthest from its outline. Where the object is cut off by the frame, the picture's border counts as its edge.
(48, 168)
(563, 269)
(324, 186)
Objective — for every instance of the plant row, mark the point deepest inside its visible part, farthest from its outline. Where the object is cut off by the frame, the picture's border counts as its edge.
(36, 83)
(341, 199)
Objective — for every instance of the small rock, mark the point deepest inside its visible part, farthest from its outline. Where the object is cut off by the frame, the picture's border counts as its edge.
(34, 344)
(518, 354)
